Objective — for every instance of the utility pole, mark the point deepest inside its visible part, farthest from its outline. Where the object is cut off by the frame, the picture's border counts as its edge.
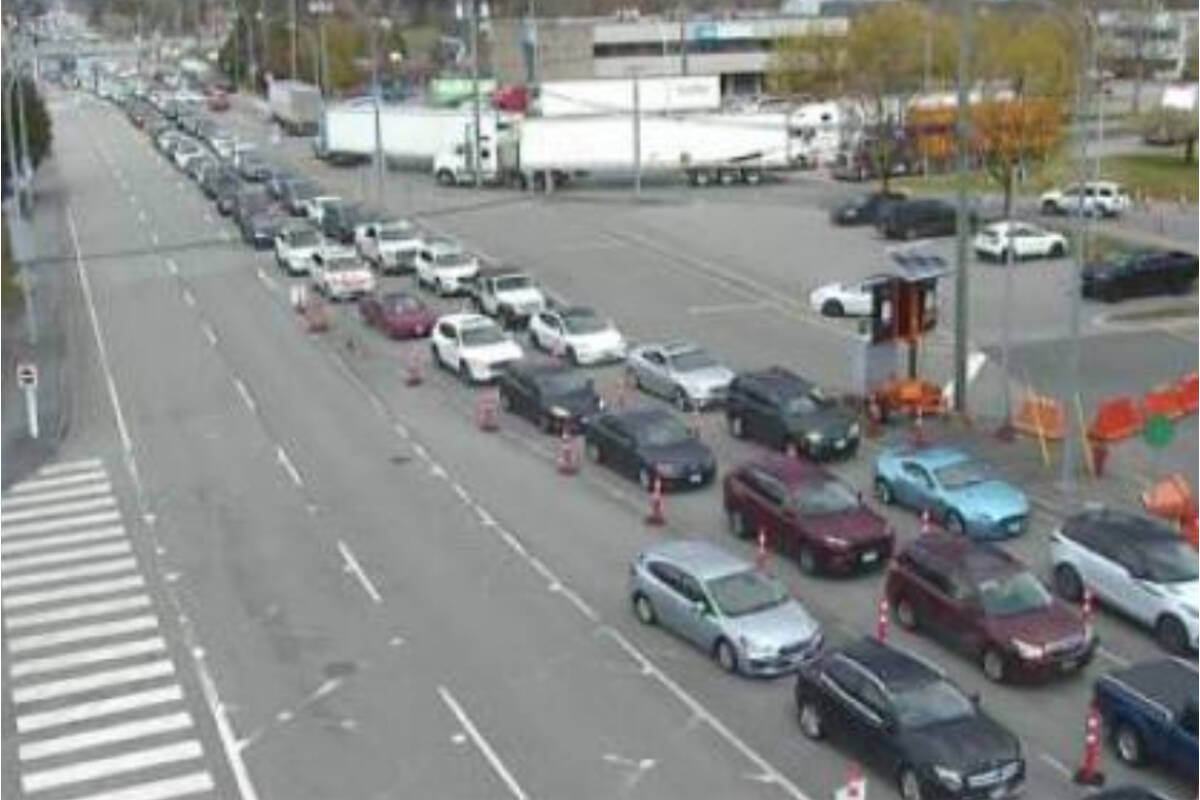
(475, 100)
(962, 296)
(237, 46)
(295, 71)
(319, 8)
(260, 20)
(386, 25)
(637, 137)
(683, 39)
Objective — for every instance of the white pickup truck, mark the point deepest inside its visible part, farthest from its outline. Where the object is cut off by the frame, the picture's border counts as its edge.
(508, 295)
(390, 247)
(339, 274)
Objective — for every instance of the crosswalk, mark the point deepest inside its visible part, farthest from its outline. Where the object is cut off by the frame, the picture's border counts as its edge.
(100, 713)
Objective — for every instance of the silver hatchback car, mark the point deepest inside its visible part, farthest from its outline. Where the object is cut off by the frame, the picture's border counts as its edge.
(744, 617)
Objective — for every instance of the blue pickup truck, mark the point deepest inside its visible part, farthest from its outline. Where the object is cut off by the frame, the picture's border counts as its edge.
(1149, 710)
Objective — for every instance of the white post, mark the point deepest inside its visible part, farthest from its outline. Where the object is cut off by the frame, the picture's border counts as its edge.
(637, 137)
(31, 410)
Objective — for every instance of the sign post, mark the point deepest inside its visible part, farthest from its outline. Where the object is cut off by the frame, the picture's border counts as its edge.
(27, 379)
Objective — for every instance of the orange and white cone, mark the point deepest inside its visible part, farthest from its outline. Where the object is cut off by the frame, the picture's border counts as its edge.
(487, 412)
(855, 787)
(568, 460)
(413, 375)
(1089, 773)
(760, 554)
(926, 522)
(881, 620)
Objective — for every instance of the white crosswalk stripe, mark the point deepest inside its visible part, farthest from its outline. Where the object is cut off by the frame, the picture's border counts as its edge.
(99, 711)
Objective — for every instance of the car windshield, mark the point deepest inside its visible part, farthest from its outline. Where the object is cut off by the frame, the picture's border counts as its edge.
(826, 497)
(564, 382)
(931, 703)
(963, 473)
(583, 322)
(746, 592)
(511, 283)
(304, 238)
(403, 302)
(801, 404)
(452, 259)
(663, 432)
(481, 335)
(692, 360)
(1170, 561)
(395, 234)
(342, 264)
(1012, 595)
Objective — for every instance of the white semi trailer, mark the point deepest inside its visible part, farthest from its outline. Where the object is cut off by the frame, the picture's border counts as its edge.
(607, 96)
(295, 105)
(410, 135)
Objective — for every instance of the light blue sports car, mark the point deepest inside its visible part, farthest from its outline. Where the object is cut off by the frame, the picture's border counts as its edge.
(957, 490)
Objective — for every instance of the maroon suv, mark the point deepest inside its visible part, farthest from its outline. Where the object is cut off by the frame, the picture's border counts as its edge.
(977, 598)
(400, 315)
(808, 513)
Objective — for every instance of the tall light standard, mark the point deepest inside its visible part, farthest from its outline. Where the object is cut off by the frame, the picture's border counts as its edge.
(321, 9)
(294, 35)
(383, 24)
(474, 10)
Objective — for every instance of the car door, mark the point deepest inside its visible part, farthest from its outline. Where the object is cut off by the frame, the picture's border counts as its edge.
(929, 592)
(857, 300)
(1181, 742)
(1101, 571)
(875, 736)
(654, 372)
(765, 499)
(915, 488)
(1129, 590)
(700, 622)
(447, 344)
(963, 618)
(849, 720)
(525, 396)
(367, 244)
(663, 590)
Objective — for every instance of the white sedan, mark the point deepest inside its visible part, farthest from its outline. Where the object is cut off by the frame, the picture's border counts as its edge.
(472, 345)
(578, 334)
(852, 299)
(1020, 240)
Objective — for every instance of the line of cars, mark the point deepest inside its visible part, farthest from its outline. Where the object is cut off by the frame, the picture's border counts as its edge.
(928, 735)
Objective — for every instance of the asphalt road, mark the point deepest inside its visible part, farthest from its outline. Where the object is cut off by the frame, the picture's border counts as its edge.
(391, 603)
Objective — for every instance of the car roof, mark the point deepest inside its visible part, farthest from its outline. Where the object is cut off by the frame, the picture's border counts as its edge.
(1119, 524)
(893, 667)
(978, 559)
(1170, 682)
(538, 367)
(639, 417)
(934, 457)
(792, 471)
(777, 377)
(466, 320)
(701, 559)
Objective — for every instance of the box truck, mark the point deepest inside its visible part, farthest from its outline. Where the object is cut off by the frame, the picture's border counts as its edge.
(295, 105)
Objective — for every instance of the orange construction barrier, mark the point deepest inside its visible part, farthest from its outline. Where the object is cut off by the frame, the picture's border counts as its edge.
(1117, 418)
(1165, 400)
(1041, 416)
(1170, 498)
(1188, 390)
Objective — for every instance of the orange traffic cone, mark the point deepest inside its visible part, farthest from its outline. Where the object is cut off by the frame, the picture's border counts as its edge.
(1089, 773)
(926, 522)
(881, 621)
(568, 461)
(413, 373)
(486, 412)
(760, 554)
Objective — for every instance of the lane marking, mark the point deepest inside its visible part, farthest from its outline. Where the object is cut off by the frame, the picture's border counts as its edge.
(32, 486)
(57, 509)
(245, 393)
(75, 592)
(94, 709)
(724, 308)
(154, 238)
(209, 334)
(111, 734)
(114, 765)
(33, 498)
(1120, 661)
(189, 298)
(1055, 764)
(77, 611)
(95, 655)
(172, 267)
(975, 361)
(288, 467)
(164, 789)
(482, 745)
(91, 682)
(81, 633)
(356, 569)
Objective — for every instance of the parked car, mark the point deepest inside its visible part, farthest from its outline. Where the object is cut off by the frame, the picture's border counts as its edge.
(1020, 240)
(737, 614)
(910, 219)
(339, 274)
(957, 490)
(681, 372)
(295, 245)
(196, 167)
(978, 599)
(1140, 273)
(444, 267)
(1126, 793)
(314, 208)
(390, 247)
(1103, 198)
(808, 514)
(188, 151)
(258, 228)
(473, 346)
(577, 333)
(902, 716)
(225, 193)
(252, 167)
(1134, 564)
(507, 294)
(645, 444)
(218, 101)
(865, 209)
(846, 299)
(779, 408)
(554, 396)
(341, 221)
(279, 177)
(249, 200)
(224, 147)
(398, 314)
(295, 195)
(1149, 711)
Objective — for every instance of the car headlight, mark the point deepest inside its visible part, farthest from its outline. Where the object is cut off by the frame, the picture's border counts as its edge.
(951, 779)
(1027, 651)
(755, 649)
(836, 542)
(814, 436)
(559, 411)
(853, 430)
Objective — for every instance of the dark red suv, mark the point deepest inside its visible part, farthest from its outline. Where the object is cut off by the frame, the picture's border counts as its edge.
(979, 599)
(806, 513)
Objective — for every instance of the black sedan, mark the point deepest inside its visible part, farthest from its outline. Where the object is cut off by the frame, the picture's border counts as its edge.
(649, 443)
(905, 719)
(259, 229)
(865, 209)
(1141, 273)
(551, 394)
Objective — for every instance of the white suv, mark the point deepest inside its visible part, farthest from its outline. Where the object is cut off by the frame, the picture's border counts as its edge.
(1097, 197)
(443, 265)
(391, 247)
(473, 346)
(1134, 564)
(339, 274)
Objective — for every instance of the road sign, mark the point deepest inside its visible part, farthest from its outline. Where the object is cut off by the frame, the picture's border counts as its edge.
(27, 375)
(1158, 432)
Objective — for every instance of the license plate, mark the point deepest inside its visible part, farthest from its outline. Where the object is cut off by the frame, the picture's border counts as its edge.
(696, 477)
(998, 792)
(869, 557)
(1069, 665)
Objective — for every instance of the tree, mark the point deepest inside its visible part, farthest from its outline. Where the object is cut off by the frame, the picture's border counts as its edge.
(40, 134)
(807, 64)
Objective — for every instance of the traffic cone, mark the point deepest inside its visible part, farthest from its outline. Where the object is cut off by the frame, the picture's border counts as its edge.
(568, 462)
(658, 507)
(855, 787)
(760, 555)
(926, 522)
(1088, 607)
(1089, 773)
(790, 450)
(413, 375)
(881, 620)
(918, 429)
(486, 416)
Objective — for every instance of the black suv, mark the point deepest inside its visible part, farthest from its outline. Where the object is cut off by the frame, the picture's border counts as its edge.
(902, 716)
(1142, 273)
(341, 219)
(556, 397)
(865, 209)
(910, 219)
(777, 407)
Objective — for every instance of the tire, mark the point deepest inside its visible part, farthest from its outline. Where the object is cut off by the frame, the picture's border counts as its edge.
(955, 523)
(737, 427)
(464, 373)
(811, 724)
(833, 308)
(572, 356)
(910, 234)
(909, 784)
(883, 492)
(681, 401)
(808, 560)
(1128, 744)
(906, 615)
(1057, 250)
(994, 667)
(1049, 207)
(506, 402)
(1171, 635)
(445, 177)
(643, 610)
(726, 656)
(546, 423)
(436, 355)
(1067, 583)
(737, 524)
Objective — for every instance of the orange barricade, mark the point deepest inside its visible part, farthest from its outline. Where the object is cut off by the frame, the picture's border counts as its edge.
(1041, 416)
(1116, 418)
(1165, 401)
(1170, 498)
(1188, 390)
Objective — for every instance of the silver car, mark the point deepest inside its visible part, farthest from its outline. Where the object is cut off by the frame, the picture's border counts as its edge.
(744, 617)
(681, 372)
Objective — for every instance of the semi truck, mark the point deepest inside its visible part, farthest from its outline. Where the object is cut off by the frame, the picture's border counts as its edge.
(295, 105)
(411, 135)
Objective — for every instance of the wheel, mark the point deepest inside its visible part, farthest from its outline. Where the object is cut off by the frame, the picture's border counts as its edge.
(737, 427)
(1048, 207)
(737, 524)
(955, 523)
(506, 402)
(833, 308)
(445, 177)
(436, 355)
(1171, 635)
(726, 656)
(631, 376)
(643, 609)
(546, 423)
(993, 665)
(1128, 744)
(592, 451)
(906, 615)
(883, 492)
(808, 560)
(645, 479)
(910, 234)
(909, 784)
(572, 356)
(1057, 250)
(681, 400)
(811, 724)
(1067, 583)
(463, 372)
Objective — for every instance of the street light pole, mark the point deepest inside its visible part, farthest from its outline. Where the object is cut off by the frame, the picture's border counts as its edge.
(475, 104)
(385, 24)
(295, 71)
(961, 286)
